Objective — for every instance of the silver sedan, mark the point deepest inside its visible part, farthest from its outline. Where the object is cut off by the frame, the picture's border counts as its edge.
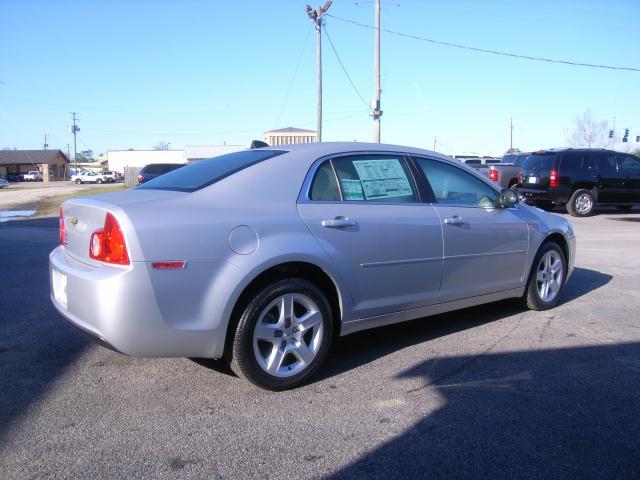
(264, 256)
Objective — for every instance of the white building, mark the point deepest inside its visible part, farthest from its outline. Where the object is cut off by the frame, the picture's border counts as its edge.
(118, 159)
(289, 135)
(193, 153)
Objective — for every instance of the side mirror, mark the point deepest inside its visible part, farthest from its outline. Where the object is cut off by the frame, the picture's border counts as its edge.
(508, 198)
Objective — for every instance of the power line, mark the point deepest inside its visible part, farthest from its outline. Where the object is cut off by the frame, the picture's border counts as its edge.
(343, 67)
(293, 77)
(475, 49)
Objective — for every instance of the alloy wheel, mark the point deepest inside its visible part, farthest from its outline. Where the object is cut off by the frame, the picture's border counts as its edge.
(549, 276)
(288, 335)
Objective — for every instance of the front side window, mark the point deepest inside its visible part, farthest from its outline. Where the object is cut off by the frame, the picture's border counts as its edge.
(454, 186)
(375, 178)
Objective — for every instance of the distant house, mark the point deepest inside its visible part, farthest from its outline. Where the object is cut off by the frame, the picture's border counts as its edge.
(23, 161)
(289, 135)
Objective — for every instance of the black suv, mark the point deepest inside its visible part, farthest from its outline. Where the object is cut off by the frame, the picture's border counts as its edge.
(580, 179)
(154, 170)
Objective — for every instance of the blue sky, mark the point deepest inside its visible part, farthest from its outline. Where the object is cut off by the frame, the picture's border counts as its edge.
(207, 72)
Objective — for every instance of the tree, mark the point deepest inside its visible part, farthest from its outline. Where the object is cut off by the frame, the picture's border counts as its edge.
(589, 132)
(85, 156)
(162, 146)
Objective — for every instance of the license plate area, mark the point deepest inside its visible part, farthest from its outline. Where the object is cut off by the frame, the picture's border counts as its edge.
(533, 179)
(59, 281)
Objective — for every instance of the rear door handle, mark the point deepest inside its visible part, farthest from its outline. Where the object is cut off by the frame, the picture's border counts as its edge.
(455, 220)
(339, 222)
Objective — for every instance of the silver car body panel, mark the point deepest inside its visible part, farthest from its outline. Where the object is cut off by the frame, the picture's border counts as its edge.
(390, 268)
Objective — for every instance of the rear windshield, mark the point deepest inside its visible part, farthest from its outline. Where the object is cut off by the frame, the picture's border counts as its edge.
(160, 168)
(539, 161)
(206, 172)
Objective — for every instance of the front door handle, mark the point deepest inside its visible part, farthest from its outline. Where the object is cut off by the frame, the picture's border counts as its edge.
(455, 220)
(339, 222)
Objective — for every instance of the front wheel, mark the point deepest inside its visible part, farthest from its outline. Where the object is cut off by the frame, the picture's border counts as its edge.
(546, 278)
(283, 335)
(581, 203)
(78, 181)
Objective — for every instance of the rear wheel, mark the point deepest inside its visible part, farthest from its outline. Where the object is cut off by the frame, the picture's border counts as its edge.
(98, 181)
(546, 278)
(283, 335)
(78, 181)
(581, 203)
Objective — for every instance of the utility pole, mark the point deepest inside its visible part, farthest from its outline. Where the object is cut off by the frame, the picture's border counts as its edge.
(511, 136)
(434, 143)
(45, 145)
(74, 129)
(316, 17)
(376, 113)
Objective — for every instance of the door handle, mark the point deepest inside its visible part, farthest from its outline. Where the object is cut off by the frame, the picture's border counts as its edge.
(339, 222)
(455, 220)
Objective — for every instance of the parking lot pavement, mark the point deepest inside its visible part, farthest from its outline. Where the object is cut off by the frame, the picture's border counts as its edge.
(488, 392)
(30, 193)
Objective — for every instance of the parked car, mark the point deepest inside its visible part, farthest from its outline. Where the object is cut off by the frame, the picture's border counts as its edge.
(88, 176)
(504, 174)
(32, 176)
(110, 176)
(154, 170)
(262, 256)
(15, 177)
(580, 179)
(4, 183)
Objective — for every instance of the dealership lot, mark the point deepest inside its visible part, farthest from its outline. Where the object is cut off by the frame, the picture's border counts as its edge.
(493, 391)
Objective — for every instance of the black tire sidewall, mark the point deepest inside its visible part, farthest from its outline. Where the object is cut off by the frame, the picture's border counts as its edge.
(533, 300)
(243, 360)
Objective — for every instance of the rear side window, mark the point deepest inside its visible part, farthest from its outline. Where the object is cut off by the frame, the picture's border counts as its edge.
(206, 172)
(605, 163)
(370, 178)
(542, 161)
(454, 186)
(325, 186)
(576, 161)
(630, 165)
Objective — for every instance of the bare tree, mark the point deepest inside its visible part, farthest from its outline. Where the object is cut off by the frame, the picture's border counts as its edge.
(589, 132)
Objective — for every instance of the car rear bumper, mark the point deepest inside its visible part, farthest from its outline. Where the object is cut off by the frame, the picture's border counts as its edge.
(125, 309)
(555, 195)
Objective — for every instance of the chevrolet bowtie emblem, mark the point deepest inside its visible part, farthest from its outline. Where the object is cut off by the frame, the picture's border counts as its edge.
(74, 220)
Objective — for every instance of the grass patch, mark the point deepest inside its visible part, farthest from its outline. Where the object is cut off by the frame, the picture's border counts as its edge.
(51, 205)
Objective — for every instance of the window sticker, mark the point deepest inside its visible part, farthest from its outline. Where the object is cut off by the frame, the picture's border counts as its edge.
(352, 189)
(383, 178)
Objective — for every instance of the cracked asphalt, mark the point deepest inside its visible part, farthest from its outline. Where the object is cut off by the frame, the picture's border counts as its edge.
(488, 392)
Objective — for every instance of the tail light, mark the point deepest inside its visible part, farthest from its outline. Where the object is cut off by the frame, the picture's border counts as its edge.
(554, 178)
(62, 230)
(107, 245)
(494, 175)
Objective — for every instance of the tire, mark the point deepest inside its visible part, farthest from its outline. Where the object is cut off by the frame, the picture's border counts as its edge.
(546, 206)
(581, 203)
(78, 181)
(624, 208)
(267, 350)
(550, 267)
(99, 181)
